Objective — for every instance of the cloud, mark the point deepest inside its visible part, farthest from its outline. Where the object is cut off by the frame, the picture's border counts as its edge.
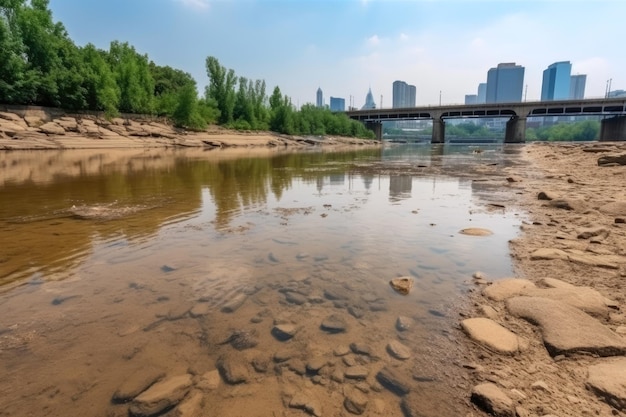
(404, 37)
(195, 4)
(373, 40)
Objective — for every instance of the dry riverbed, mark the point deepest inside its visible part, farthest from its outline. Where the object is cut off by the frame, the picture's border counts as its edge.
(550, 342)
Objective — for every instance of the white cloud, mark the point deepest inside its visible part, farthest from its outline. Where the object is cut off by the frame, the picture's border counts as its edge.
(404, 37)
(373, 40)
(195, 4)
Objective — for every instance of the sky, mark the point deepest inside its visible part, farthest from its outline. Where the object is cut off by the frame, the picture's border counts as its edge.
(443, 47)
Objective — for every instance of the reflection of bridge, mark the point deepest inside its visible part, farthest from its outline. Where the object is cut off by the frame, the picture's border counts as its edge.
(613, 128)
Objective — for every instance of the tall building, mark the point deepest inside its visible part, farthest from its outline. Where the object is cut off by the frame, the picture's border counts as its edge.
(471, 98)
(616, 93)
(320, 98)
(577, 87)
(337, 104)
(403, 95)
(370, 104)
(482, 93)
(556, 81)
(505, 83)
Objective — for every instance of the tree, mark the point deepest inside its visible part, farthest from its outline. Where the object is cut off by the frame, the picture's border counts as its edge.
(133, 78)
(221, 88)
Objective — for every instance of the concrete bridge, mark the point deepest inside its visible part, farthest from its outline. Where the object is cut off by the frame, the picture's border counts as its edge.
(613, 125)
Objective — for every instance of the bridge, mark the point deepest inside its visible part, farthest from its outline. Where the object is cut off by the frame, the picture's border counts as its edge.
(613, 126)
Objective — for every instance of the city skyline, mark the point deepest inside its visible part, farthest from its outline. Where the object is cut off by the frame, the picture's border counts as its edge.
(443, 47)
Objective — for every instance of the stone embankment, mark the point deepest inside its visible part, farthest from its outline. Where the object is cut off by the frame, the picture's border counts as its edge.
(551, 341)
(41, 128)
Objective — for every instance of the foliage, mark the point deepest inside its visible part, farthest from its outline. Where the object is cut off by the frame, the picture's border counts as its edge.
(585, 130)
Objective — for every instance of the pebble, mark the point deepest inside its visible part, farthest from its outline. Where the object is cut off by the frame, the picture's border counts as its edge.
(334, 324)
(356, 372)
(315, 364)
(355, 402)
(284, 332)
(232, 370)
(403, 323)
(161, 396)
(402, 285)
(360, 348)
(398, 350)
(234, 303)
(295, 298)
(209, 381)
(136, 383)
(305, 402)
(341, 350)
(283, 356)
(393, 381)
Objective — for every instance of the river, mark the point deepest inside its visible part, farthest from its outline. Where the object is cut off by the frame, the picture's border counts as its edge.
(118, 264)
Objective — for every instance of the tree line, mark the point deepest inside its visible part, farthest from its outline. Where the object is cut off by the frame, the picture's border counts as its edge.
(41, 65)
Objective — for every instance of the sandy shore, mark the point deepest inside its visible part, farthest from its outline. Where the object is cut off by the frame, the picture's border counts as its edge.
(44, 129)
(550, 341)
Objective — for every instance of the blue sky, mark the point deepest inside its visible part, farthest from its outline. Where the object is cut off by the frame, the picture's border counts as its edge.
(346, 46)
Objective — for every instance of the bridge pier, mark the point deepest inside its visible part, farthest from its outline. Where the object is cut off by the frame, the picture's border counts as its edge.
(376, 127)
(439, 130)
(515, 130)
(613, 129)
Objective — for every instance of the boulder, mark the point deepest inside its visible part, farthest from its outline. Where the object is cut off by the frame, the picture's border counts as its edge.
(611, 160)
(492, 335)
(607, 379)
(491, 399)
(507, 288)
(584, 298)
(161, 396)
(52, 128)
(566, 329)
(589, 232)
(136, 383)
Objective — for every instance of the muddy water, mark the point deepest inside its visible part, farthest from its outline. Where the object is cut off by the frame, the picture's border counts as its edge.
(122, 263)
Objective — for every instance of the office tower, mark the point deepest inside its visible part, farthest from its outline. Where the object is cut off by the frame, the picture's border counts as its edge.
(505, 83)
(482, 93)
(320, 98)
(471, 99)
(337, 104)
(403, 95)
(556, 81)
(370, 104)
(577, 87)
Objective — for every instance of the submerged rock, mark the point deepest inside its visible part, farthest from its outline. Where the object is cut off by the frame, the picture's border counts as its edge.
(161, 396)
(136, 383)
(334, 324)
(402, 285)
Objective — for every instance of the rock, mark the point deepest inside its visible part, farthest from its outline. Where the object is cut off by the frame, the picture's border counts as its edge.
(12, 117)
(260, 364)
(136, 383)
(489, 312)
(341, 350)
(335, 294)
(355, 402)
(540, 386)
(569, 204)
(234, 303)
(574, 256)
(476, 231)
(589, 232)
(546, 196)
(232, 370)
(356, 372)
(402, 285)
(491, 399)
(315, 364)
(199, 310)
(52, 128)
(507, 288)
(566, 329)
(295, 298)
(489, 333)
(337, 376)
(191, 407)
(393, 381)
(611, 160)
(584, 298)
(398, 350)
(306, 402)
(360, 349)
(243, 339)
(283, 356)
(403, 323)
(33, 121)
(334, 324)
(209, 381)
(616, 208)
(161, 396)
(297, 366)
(284, 332)
(607, 380)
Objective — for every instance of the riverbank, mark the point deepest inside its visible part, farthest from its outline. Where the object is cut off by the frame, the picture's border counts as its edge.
(550, 342)
(40, 128)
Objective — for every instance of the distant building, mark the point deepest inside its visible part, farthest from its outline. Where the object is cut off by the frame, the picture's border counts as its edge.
(482, 93)
(505, 83)
(471, 99)
(556, 81)
(616, 93)
(577, 87)
(403, 95)
(320, 98)
(370, 104)
(337, 104)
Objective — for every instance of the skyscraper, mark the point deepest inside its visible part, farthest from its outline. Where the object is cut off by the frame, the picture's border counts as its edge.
(320, 98)
(370, 104)
(556, 81)
(505, 83)
(482, 93)
(577, 87)
(471, 98)
(403, 95)
(337, 104)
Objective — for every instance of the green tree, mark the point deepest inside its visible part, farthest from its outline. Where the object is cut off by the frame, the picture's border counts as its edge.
(221, 88)
(133, 78)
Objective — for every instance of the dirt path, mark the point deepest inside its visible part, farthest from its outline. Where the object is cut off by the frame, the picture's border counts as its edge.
(551, 342)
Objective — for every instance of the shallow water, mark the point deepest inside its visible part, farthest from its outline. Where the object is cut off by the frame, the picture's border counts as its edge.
(113, 263)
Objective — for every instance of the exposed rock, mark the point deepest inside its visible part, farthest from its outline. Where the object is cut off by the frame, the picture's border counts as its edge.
(584, 298)
(355, 402)
(232, 369)
(334, 324)
(507, 288)
(337, 376)
(489, 312)
(234, 303)
(489, 333)
(572, 256)
(242, 339)
(209, 381)
(491, 399)
(284, 332)
(540, 386)
(295, 298)
(393, 381)
(360, 349)
(402, 285)
(260, 364)
(546, 196)
(608, 380)
(569, 204)
(341, 350)
(616, 208)
(476, 231)
(335, 294)
(566, 329)
(315, 364)
(356, 372)
(403, 323)
(52, 128)
(611, 160)
(589, 232)
(191, 407)
(161, 396)
(12, 117)
(136, 383)
(283, 356)
(297, 366)
(398, 350)
(307, 402)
